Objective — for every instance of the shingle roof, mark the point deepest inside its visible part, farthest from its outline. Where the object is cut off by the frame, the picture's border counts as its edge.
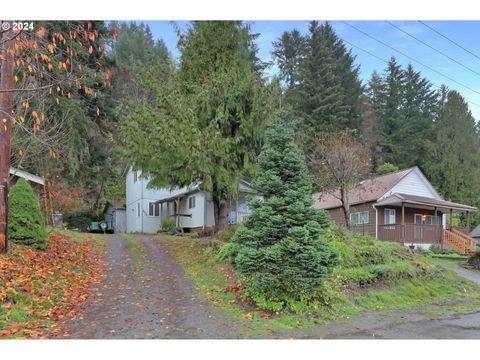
(367, 190)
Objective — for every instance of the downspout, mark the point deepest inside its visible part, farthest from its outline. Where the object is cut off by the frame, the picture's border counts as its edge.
(376, 221)
(204, 211)
(141, 208)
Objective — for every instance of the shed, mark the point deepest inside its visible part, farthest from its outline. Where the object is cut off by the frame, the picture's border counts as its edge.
(115, 211)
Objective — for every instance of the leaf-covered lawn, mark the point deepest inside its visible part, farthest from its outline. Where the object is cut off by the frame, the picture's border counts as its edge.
(39, 287)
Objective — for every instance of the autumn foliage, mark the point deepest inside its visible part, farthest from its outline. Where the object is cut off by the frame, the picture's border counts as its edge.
(37, 288)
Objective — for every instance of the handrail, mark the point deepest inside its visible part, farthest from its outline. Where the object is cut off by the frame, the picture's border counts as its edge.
(459, 242)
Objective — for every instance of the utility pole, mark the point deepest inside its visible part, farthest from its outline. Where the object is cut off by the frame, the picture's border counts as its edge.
(6, 108)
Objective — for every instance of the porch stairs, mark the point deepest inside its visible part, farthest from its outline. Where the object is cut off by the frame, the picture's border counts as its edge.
(459, 242)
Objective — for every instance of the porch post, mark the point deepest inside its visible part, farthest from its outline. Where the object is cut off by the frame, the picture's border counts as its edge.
(468, 220)
(451, 219)
(403, 222)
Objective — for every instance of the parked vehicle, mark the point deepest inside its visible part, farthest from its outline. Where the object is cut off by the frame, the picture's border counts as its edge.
(101, 226)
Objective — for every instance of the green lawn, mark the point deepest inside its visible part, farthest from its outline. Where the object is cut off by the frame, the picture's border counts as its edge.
(216, 282)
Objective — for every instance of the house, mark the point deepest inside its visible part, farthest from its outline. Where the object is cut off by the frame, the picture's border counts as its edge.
(189, 206)
(475, 233)
(115, 211)
(401, 206)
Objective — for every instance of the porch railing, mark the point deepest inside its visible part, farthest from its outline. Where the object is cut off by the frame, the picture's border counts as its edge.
(407, 233)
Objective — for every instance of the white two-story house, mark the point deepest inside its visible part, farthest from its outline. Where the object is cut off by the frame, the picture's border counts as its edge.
(190, 207)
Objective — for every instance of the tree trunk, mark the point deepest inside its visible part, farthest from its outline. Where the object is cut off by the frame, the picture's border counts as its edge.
(220, 210)
(345, 207)
(6, 107)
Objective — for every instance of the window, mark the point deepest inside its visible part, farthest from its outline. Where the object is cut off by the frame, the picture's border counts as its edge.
(191, 202)
(359, 218)
(138, 209)
(135, 177)
(424, 219)
(389, 216)
(153, 209)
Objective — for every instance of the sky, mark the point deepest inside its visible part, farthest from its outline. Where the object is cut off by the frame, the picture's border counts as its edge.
(455, 73)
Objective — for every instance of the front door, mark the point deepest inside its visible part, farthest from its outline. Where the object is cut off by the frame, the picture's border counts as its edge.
(423, 227)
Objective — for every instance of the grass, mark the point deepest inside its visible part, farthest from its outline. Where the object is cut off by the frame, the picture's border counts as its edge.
(39, 287)
(137, 252)
(398, 280)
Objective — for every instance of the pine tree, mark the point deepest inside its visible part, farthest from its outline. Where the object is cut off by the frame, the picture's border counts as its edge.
(289, 51)
(406, 108)
(279, 249)
(453, 159)
(25, 221)
(324, 88)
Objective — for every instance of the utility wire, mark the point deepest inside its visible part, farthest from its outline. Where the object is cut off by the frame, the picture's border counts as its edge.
(411, 58)
(431, 47)
(386, 62)
(447, 38)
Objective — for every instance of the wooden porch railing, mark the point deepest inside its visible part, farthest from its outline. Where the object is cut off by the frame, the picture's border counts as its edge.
(420, 234)
(458, 241)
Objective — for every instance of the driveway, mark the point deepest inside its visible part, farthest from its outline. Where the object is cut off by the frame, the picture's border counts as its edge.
(149, 296)
(157, 302)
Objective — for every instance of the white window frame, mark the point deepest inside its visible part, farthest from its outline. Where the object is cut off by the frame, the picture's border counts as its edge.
(191, 202)
(358, 216)
(389, 216)
(153, 211)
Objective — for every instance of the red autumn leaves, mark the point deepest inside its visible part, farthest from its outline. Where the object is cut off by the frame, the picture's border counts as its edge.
(39, 287)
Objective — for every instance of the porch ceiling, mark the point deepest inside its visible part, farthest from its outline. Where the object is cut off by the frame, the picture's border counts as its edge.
(422, 201)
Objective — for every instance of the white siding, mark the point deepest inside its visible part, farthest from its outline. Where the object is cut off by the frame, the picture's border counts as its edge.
(137, 192)
(413, 184)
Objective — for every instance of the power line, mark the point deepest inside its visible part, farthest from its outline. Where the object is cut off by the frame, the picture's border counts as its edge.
(386, 62)
(431, 47)
(447, 38)
(411, 58)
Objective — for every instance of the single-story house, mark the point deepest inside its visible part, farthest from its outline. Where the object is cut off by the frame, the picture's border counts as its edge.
(190, 207)
(401, 206)
(115, 211)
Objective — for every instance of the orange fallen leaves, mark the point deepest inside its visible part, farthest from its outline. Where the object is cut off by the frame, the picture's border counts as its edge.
(37, 287)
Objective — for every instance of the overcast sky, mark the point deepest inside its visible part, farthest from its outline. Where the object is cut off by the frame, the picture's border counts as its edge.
(464, 33)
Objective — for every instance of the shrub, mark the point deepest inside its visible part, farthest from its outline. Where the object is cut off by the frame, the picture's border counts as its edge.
(80, 219)
(25, 222)
(169, 224)
(279, 250)
(226, 234)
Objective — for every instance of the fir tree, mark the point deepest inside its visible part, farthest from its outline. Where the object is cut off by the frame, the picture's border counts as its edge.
(453, 159)
(279, 249)
(25, 221)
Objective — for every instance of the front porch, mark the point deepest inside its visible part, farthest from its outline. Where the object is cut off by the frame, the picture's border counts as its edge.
(420, 221)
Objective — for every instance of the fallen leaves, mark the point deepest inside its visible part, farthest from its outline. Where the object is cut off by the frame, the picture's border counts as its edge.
(38, 287)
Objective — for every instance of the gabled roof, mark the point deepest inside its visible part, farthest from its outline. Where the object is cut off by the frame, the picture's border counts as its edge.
(475, 232)
(26, 175)
(367, 190)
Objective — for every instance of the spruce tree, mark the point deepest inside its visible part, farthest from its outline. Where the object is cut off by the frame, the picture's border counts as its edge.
(279, 249)
(25, 221)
